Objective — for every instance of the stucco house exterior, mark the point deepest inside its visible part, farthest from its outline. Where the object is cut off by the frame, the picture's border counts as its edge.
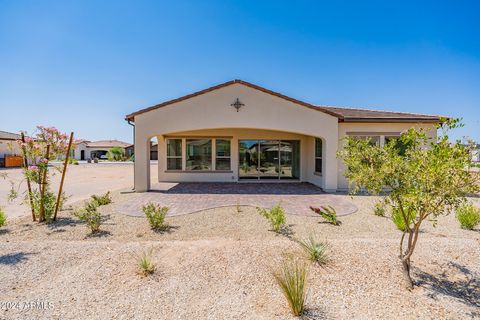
(8, 147)
(85, 149)
(240, 132)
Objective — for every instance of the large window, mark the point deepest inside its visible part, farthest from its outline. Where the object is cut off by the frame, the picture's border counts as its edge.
(222, 160)
(174, 154)
(318, 155)
(199, 154)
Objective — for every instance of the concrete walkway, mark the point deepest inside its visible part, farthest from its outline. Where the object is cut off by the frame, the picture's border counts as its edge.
(184, 198)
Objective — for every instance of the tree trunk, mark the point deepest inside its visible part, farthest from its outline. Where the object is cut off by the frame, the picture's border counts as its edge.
(406, 274)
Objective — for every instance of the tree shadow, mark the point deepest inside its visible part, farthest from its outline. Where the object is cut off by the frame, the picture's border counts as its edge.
(166, 229)
(61, 222)
(4, 231)
(99, 234)
(466, 287)
(14, 258)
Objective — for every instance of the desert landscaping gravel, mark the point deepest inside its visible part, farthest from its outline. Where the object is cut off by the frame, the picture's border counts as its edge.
(218, 264)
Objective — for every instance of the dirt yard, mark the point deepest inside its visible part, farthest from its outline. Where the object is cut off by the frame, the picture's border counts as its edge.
(80, 182)
(218, 264)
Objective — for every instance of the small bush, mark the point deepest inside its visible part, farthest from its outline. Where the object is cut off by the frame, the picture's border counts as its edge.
(292, 279)
(145, 264)
(3, 217)
(276, 216)
(316, 250)
(468, 216)
(72, 161)
(155, 215)
(398, 219)
(90, 215)
(103, 199)
(49, 203)
(379, 209)
(328, 213)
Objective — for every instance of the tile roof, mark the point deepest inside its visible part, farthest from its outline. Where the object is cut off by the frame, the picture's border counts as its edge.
(362, 115)
(4, 135)
(107, 144)
(343, 114)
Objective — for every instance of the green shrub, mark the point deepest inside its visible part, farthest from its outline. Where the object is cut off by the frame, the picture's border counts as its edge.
(276, 216)
(49, 203)
(90, 215)
(72, 161)
(316, 250)
(292, 279)
(103, 199)
(145, 264)
(468, 216)
(328, 213)
(155, 215)
(3, 217)
(398, 219)
(379, 209)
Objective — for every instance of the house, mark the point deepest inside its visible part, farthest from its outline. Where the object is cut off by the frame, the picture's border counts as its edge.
(130, 150)
(85, 149)
(8, 146)
(238, 131)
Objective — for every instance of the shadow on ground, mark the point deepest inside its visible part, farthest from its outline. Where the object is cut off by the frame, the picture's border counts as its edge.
(465, 288)
(14, 258)
(301, 188)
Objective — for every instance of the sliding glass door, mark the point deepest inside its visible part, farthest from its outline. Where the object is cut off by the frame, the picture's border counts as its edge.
(269, 159)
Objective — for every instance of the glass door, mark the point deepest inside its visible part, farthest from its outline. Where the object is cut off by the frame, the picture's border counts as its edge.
(248, 159)
(269, 159)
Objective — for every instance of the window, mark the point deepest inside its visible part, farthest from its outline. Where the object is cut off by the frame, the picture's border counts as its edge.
(373, 140)
(174, 154)
(199, 154)
(318, 155)
(222, 160)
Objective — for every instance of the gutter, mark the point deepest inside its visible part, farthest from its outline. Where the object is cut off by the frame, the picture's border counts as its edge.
(133, 128)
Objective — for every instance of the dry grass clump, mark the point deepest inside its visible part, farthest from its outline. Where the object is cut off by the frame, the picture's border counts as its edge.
(292, 280)
(145, 264)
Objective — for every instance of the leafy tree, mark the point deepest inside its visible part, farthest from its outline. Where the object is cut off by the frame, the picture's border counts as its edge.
(115, 154)
(425, 178)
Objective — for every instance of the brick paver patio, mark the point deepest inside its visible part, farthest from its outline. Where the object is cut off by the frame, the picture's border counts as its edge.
(184, 198)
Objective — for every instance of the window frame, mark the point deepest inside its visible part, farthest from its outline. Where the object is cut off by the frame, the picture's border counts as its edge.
(229, 157)
(174, 157)
(318, 157)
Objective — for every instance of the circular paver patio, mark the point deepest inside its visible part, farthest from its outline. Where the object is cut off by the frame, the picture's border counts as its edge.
(184, 198)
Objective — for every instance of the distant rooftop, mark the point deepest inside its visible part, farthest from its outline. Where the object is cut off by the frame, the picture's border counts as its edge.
(4, 135)
(107, 144)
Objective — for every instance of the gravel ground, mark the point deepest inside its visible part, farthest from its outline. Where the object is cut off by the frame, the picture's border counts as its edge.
(218, 264)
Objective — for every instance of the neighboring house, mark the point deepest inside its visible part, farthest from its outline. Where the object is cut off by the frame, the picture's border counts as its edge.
(238, 131)
(130, 151)
(85, 149)
(8, 146)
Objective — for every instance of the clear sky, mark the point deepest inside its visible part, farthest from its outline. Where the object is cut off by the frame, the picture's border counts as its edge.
(83, 65)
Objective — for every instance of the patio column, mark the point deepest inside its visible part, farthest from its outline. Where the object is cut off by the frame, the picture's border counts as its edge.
(142, 162)
(331, 163)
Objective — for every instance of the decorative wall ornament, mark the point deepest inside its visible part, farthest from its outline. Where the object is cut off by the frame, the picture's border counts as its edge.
(237, 104)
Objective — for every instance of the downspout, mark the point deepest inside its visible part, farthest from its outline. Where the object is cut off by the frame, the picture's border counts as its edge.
(133, 128)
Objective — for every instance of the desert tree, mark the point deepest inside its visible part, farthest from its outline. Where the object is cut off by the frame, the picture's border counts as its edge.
(420, 176)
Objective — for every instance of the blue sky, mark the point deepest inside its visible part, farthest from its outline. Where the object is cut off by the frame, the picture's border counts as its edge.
(83, 65)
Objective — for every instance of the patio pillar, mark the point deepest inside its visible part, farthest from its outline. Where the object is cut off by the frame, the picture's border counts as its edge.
(331, 163)
(142, 162)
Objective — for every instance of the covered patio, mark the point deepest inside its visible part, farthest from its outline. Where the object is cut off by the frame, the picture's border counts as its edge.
(190, 197)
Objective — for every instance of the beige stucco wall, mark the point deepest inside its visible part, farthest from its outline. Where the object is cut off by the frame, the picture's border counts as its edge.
(213, 111)
(78, 149)
(5, 149)
(377, 129)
